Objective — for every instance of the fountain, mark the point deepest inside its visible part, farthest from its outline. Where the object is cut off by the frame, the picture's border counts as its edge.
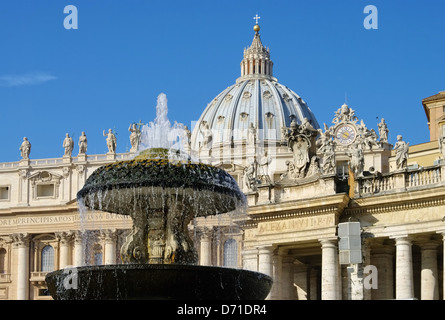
(162, 194)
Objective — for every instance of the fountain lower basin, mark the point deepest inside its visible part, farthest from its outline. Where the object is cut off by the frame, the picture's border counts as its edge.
(158, 282)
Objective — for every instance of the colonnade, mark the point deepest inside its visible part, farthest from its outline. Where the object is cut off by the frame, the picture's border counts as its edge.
(68, 242)
(271, 261)
(274, 261)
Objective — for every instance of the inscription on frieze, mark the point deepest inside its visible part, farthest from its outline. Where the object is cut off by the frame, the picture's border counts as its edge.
(36, 220)
(296, 224)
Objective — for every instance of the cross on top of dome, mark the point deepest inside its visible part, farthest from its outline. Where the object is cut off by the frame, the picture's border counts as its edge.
(256, 27)
(256, 62)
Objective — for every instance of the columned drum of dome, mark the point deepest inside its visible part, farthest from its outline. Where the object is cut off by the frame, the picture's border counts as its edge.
(257, 100)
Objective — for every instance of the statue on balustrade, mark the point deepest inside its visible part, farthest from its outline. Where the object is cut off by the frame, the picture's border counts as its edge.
(357, 160)
(383, 131)
(441, 141)
(401, 148)
(135, 137)
(111, 141)
(250, 176)
(83, 143)
(25, 148)
(68, 145)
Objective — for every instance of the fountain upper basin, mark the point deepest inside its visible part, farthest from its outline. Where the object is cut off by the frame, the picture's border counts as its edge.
(126, 187)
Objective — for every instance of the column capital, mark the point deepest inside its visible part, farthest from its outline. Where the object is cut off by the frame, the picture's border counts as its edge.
(21, 239)
(402, 239)
(78, 236)
(64, 237)
(109, 235)
(266, 249)
(328, 242)
(204, 233)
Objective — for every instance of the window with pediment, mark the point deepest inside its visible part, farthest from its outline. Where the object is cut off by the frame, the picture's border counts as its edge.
(45, 184)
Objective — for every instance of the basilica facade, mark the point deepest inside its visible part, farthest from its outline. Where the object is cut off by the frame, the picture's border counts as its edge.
(335, 211)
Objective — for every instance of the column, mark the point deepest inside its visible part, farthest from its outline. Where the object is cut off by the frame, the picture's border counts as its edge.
(110, 237)
(404, 268)
(22, 243)
(329, 270)
(287, 283)
(265, 264)
(277, 273)
(382, 259)
(64, 239)
(429, 284)
(79, 254)
(206, 247)
(301, 283)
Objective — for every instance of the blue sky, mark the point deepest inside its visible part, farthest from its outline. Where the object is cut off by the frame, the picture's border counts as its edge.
(109, 72)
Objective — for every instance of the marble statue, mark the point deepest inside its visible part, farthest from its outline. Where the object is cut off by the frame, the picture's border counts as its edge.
(306, 127)
(314, 167)
(265, 161)
(83, 143)
(250, 175)
(187, 138)
(370, 139)
(401, 148)
(135, 137)
(25, 148)
(284, 135)
(207, 134)
(111, 141)
(383, 131)
(68, 145)
(441, 141)
(251, 135)
(328, 151)
(357, 160)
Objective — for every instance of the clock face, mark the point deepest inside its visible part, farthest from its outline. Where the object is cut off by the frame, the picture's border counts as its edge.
(345, 134)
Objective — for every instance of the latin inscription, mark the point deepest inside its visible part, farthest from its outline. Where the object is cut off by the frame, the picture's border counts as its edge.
(302, 223)
(59, 219)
